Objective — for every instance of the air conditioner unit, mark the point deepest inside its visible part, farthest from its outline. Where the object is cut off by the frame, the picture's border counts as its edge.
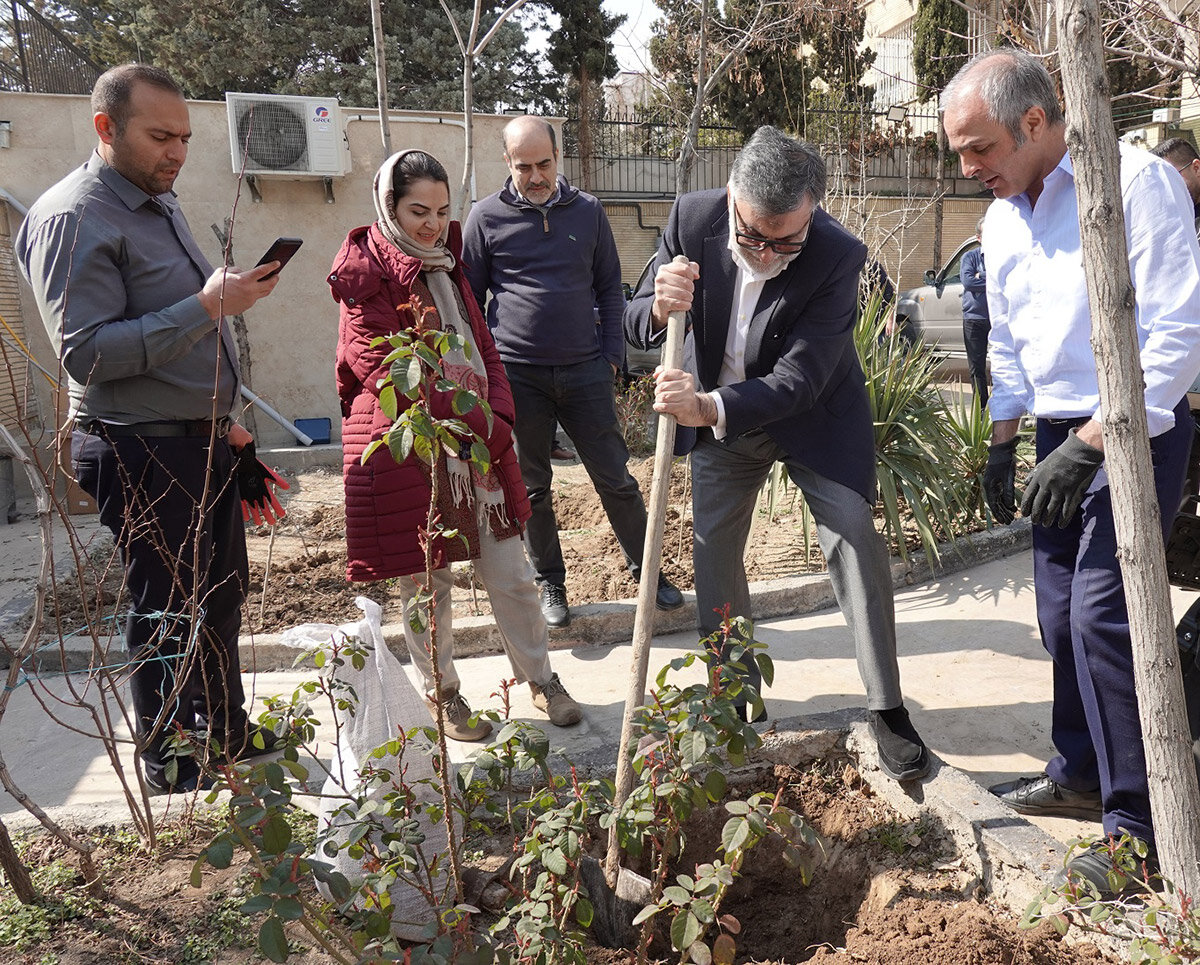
(1166, 115)
(284, 136)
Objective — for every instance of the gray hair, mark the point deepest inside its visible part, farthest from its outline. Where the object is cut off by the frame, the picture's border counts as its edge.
(979, 227)
(1010, 81)
(774, 173)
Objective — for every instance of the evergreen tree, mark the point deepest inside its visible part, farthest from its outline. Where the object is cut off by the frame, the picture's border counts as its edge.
(581, 50)
(310, 47)
(939, 43)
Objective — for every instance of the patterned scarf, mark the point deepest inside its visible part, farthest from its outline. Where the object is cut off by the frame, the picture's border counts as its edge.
(471, 499)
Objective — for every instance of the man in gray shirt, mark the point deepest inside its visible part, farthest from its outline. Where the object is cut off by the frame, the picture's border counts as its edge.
(136, 314)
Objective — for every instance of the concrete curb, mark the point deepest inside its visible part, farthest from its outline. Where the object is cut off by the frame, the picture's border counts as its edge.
(601, 623)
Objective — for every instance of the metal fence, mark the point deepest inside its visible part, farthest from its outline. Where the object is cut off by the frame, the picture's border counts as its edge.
(636, 155)
(37, 57)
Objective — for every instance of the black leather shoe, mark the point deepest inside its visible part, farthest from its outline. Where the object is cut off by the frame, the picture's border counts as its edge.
(1095, 867)
(553, 598)
(668, 596)
(902, 753)
(1041, 795)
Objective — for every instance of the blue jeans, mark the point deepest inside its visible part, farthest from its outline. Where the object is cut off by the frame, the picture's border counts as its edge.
(580, 397)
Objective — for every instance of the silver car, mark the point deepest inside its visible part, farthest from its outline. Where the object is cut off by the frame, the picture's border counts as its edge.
(934, 311)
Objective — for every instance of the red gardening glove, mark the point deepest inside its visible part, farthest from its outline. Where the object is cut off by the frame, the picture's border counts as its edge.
(255, 482)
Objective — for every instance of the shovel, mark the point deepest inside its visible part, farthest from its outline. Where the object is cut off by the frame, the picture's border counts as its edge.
(619, 894)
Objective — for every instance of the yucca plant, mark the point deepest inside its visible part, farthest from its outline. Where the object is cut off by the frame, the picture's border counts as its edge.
(917, 464)
(970, 427)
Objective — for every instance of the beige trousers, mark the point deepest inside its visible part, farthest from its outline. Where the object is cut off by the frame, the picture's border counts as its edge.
(506, 573)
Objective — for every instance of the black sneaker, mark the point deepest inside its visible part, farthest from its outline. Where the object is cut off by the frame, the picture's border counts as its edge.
(902, 753)
(553, 598)
(668, 596)
(189, 785)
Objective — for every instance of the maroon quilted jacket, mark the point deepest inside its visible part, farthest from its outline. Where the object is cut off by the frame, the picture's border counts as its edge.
(386, 502)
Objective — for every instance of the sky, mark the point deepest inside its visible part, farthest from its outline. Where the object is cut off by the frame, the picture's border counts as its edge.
(631, 38)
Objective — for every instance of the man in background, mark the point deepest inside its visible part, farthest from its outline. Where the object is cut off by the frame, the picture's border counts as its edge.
(545, 253)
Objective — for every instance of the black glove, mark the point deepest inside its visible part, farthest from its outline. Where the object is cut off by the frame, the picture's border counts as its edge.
(1058, 484)
(255, 480)
(999, 477)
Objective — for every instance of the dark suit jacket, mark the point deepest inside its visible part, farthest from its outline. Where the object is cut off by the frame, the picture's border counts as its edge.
(804, 386)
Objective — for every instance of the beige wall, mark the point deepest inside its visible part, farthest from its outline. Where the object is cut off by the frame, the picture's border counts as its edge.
(293, 334)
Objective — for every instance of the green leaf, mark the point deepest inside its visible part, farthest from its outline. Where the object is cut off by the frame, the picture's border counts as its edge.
(289, 909)
(648, 912)
(715, 785)
(271, 940)
(463, 401)
(387, 401)
(276, 835)
(584, 912)
(692, 747)
(219, 854)
(766, 667)
(676, 895)
(735, 834)
(685, 929)
(555, 861)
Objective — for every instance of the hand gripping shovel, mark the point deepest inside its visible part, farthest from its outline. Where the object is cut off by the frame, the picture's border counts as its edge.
(619, 894)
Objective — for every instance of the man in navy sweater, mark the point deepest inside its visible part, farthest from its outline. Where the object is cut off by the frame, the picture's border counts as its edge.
(976, 321)
(545, 252)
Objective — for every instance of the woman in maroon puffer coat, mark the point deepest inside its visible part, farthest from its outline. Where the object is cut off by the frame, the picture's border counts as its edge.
(407, 262)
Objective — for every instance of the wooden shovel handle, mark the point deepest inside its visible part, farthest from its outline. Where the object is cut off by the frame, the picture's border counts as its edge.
(643, 626)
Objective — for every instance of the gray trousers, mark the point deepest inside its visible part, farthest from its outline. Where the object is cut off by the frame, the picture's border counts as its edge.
(726, 480)
(506, 573)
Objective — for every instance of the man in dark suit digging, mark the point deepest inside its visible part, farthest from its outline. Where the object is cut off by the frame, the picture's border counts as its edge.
(770, 287)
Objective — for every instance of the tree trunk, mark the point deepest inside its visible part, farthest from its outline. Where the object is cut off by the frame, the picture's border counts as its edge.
(381, 89)
(687, 150)
(587, 110)
(464, 190)
(241, 334)
(939, 204)
(1174, 795)
(16, 872)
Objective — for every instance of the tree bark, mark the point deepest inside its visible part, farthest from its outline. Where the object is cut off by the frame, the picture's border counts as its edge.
(1174, 794)
(687, 150)
(381, 89)
(15, 871)
(587, 110)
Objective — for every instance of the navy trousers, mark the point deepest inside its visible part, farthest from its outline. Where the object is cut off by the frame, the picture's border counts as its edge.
(185, 573)
(975, 339)
(1085, 628)
(581, 398)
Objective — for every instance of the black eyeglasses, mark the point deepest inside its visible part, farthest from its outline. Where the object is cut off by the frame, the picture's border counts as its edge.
(755, 243)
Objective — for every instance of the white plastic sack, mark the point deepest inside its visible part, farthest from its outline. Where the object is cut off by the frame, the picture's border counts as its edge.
(387, 704)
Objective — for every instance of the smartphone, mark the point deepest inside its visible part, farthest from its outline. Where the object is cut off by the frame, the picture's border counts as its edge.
(281, 250)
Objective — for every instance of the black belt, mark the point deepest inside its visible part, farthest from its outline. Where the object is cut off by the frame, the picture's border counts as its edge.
(178, 428)
(1072, 421)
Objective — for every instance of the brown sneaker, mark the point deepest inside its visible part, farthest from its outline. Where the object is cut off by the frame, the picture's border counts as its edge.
(458, 718)
(552, 698)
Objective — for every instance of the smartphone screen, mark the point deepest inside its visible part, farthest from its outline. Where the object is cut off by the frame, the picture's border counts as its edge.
(281, 250)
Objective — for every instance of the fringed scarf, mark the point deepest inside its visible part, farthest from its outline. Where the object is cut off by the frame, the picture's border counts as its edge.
(469, 499)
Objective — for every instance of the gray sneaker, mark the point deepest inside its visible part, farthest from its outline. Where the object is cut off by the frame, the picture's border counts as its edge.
(553, 598)
(458, 718)
(552, 698)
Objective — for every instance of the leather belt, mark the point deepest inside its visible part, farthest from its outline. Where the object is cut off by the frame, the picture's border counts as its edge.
(179, 429)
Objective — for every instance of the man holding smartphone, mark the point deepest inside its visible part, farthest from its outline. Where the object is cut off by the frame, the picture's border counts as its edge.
(136, 313)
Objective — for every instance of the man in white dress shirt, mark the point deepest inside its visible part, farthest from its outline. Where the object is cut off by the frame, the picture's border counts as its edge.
(1003, 119)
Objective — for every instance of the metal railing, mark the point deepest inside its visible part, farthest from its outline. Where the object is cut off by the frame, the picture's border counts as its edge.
(635, 155)
(37, 57)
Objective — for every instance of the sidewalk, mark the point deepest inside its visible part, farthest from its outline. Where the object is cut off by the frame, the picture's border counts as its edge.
(976, 680)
